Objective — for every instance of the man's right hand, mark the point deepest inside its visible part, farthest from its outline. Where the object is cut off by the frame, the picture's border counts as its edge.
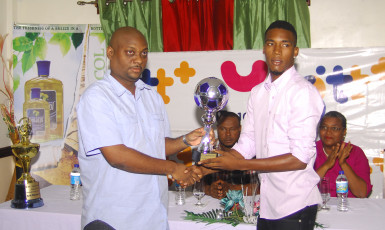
(185, 177)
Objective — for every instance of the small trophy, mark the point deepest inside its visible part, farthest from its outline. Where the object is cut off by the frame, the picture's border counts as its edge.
(27, 191)
(211, 95)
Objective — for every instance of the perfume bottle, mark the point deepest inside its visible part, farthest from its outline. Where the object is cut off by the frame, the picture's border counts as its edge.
(37, 110)
(51, 90)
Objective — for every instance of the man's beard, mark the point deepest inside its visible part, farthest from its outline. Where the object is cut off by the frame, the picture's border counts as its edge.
(276, 73)
(228, 146)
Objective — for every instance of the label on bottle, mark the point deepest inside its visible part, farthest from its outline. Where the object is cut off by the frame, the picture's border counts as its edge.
(342, 186)
(75, 178)
(37, 117)
(50, 97)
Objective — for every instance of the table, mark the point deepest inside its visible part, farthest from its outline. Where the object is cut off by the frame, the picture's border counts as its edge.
(61, 213)
(58, 212)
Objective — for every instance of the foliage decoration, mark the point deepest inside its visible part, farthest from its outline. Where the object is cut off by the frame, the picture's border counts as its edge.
(7, 108)
(216, 216)
(33, 46)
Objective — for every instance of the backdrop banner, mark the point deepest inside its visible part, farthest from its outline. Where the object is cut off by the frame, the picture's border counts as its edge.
(351, 81)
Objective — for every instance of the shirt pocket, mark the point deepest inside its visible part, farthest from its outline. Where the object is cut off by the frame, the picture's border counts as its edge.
(156, 125)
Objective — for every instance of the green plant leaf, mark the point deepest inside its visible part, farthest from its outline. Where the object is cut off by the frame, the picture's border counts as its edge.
(28, 60)
(14, 61)
(40, 48)
(63, 41)
(32, 36)
(100, 36)
(22, 44)
(210, 217)
(77, 39)
(16, 82)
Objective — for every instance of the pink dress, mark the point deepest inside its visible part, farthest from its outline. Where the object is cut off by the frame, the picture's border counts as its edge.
(357, 161)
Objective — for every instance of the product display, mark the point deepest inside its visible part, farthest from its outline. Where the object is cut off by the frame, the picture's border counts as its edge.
(51, 90)
(37, 110)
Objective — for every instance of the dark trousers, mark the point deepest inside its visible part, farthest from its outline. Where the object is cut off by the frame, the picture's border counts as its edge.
(303, 219)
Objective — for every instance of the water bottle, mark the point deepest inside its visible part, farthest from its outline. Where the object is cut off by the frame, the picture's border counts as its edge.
(75, 183)
(180, 195)
(342, 192)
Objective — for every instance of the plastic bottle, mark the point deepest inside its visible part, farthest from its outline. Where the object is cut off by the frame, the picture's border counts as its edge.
(180, 196)
(51, 90)
(342, 192)
(75, 183)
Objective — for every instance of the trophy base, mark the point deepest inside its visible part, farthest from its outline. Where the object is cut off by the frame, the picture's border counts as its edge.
(22, 192)
(26, 204)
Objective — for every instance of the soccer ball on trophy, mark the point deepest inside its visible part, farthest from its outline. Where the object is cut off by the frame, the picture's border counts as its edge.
(211, 95)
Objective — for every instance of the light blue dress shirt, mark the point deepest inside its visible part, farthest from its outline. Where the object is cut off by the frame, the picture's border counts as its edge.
(108, 114)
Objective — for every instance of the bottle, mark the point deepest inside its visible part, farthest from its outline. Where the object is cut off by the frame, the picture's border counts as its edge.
(51, 90)
(180, 196)
(75, 183)
(37, 110)
(342, 192)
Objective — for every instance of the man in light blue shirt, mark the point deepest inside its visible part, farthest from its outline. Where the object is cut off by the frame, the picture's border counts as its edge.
(124, 138)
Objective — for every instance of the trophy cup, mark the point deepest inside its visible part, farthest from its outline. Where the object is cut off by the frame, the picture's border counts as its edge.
(211, 95)
(27, 191)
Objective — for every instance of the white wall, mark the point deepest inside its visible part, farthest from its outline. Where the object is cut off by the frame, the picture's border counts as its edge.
(341, 23)
(347, 23)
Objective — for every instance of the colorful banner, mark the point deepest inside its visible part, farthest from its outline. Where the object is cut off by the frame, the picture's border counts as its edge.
(350, 81)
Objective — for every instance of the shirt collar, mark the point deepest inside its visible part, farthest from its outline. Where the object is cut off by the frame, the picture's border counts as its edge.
(281, 81)
(119, 89)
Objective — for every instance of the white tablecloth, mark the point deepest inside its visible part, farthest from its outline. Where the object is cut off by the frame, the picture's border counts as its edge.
(60, 213)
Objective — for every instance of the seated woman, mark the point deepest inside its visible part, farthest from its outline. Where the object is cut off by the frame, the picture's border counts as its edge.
(333, 155)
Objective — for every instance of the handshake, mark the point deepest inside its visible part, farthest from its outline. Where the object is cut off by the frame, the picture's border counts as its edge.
(186, 176)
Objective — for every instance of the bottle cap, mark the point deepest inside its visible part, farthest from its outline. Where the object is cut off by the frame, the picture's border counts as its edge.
(76, 165)
(341, 172)
(43, 68)
(35, 93)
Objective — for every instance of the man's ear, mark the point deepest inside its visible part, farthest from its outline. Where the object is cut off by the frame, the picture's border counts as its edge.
(110, 52)
(296, 51)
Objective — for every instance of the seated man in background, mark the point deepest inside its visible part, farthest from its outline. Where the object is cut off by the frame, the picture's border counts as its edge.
(217, 184)
(334, 155)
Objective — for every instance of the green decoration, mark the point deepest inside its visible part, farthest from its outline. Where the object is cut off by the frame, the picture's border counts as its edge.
(251, 19)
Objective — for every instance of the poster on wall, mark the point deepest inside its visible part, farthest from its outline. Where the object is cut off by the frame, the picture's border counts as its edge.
(350, 81)
(49, 66)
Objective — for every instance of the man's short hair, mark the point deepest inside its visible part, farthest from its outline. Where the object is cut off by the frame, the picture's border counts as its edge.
(280, 24)
(223, 114)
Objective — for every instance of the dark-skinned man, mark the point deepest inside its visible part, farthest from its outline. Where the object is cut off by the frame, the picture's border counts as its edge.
(124, 138)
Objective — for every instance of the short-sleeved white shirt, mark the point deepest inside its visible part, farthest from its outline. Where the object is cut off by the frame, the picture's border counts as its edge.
(108, 114)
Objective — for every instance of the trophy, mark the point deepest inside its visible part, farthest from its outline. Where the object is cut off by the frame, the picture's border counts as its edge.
(27, 191)
(211, 95)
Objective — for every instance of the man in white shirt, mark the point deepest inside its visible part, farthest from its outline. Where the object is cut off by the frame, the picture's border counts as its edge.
(124, 138)
(280, 130)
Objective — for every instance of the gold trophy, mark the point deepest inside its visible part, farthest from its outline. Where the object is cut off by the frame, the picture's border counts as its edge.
(27, 191)
(211, 95)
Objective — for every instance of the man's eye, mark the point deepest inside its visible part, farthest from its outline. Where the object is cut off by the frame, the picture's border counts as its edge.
(130, 52)
(145, 53)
